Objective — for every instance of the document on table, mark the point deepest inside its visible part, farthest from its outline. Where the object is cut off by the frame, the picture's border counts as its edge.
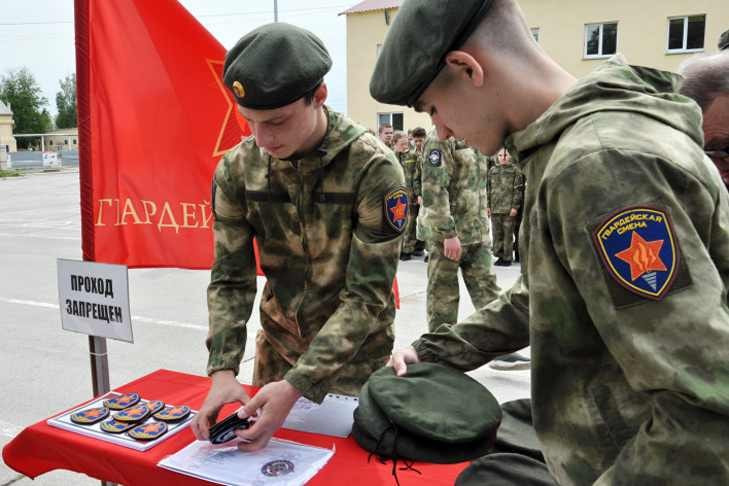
(333, 417)
(281, 463)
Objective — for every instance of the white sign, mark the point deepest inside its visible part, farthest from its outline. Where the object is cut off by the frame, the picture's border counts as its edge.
(50, 159)
(94, 299)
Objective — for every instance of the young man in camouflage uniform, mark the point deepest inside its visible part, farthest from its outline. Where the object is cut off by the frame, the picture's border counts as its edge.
(454, 225)
(385, 133)
(327, 205)
(505, 187)
(625, 239)
(410, 162)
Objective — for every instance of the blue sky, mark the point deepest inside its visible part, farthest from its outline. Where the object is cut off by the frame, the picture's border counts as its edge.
(38, 34)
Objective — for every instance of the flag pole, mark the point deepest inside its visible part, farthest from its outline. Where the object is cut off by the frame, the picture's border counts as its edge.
(275, 10)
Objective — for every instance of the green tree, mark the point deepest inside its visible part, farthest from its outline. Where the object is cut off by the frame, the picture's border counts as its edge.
(21, 92)
(66, 103)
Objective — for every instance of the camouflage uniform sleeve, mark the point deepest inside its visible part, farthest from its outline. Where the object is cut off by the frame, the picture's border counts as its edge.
(501, 327)
(436, 198)
(232, 288)
(418, 177)
(367, 293)
(489, 186)
(674, 351)
(518, 194)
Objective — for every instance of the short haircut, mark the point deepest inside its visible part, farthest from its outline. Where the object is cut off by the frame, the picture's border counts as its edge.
(383, 126)
(419, 132)
(398, 135)
(309, 95)
(705, 78)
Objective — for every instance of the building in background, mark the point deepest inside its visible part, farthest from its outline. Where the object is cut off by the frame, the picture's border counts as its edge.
(7, 140)
(63, 139)
(578, 34)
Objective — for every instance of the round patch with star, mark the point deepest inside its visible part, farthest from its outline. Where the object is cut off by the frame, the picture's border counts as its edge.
(435, 157)
(155, 406)
(148, 431)
(122, 402)
(115, 427)
(639, 251)
(173, 414)
(136, 413)
(396, 209)
(89, 416)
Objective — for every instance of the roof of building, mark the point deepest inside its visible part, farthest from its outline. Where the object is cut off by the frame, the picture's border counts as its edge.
(64, 131)
(371, 5)
(5, 109)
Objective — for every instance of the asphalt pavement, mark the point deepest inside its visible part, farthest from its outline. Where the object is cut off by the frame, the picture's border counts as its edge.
(46, 369)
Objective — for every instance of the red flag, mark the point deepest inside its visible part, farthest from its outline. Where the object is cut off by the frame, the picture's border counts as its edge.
(154, 119)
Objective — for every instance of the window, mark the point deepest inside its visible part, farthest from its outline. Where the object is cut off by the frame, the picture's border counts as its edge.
(686, 33)
(601, 40)
(394, 119)
(74, 141)
(535, 33)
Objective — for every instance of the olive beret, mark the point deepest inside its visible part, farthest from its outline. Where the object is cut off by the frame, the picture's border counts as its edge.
(423, 32)
(433, 413)
(724, 41)
(274, 65)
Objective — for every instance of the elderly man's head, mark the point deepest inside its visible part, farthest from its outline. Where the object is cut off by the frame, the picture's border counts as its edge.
(706, 81)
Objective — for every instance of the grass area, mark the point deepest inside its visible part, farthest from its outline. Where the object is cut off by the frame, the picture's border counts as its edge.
(9, 173)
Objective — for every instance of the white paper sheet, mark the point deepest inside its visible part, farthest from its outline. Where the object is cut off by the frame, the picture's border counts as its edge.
(333, 417)
(281, 463)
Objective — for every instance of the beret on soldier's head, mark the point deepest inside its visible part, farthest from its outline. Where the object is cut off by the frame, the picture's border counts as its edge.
(423, 32)
(724, 41)
(274, 65)
(433, 413)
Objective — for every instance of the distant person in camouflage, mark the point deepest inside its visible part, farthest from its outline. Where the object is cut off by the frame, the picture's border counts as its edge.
(625, 238)
(419, 135)
(454, 225)
(327, 205)
(385, 132)
(505, 193)
(410, 162)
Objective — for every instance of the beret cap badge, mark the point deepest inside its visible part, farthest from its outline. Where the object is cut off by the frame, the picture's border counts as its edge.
(238, 89)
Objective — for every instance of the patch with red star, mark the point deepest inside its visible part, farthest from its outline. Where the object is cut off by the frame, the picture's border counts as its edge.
(155, 406)
(90, 416)
(123, 401)
(173, 414)
(148, 431)
(639, 252)
(115, 427)
(136, 413)
(396, 209)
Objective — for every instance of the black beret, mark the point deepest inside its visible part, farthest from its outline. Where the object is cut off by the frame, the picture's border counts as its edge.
(274, 65)
(433, 413)
(423, 32)
(724, 41)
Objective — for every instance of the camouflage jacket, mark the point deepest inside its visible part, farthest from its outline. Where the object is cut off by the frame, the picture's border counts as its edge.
(454, 193)
(505, 187)
(329, 247)
(623, 295)
(411, 165)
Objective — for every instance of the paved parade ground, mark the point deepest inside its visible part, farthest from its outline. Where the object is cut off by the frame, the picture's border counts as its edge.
(46, 369)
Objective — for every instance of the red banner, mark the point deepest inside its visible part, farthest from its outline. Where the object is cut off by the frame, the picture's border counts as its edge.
(154, 119)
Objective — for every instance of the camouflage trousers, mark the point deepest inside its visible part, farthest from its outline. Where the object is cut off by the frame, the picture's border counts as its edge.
(410, 241)
(502, 228)
(270, 366)
(442, 292)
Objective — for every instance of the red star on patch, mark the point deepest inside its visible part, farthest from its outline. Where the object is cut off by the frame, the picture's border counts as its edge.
(398, 211)
(642, 256)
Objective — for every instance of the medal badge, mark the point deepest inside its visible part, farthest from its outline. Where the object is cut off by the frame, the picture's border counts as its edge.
(396, 209)
(115, 427)
(133, 414)
(90, 416)
(148, 431)
(639, 251)
(155, 406)
(173, 414)
(122, 402)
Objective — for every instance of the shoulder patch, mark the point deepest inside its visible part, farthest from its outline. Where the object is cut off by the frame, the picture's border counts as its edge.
(397, 205)
(639, 252)
(435, 157)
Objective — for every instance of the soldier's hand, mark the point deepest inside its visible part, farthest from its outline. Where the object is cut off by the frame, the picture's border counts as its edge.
(513, 212)
(399, 360)
(225, 389)
(488, 212)
(452, 248)
(272, 403)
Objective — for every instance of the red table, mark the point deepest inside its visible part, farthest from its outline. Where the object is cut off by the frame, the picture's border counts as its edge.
(41, 448)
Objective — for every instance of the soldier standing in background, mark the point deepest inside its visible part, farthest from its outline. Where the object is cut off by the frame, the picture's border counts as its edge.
(454, 225)
(327, 205)
(410, 163)
(385, 133)
(505, 193)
